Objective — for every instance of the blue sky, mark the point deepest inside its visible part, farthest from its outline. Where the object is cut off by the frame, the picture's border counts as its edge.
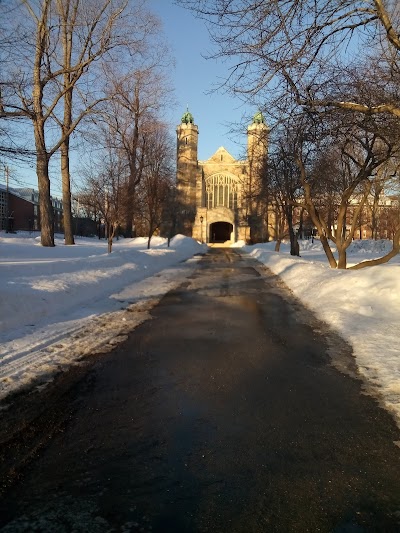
(194, 77)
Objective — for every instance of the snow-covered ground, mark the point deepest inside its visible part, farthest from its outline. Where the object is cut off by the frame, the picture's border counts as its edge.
(58, 305)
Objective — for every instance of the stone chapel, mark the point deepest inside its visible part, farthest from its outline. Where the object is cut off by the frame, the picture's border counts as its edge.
(218, 198)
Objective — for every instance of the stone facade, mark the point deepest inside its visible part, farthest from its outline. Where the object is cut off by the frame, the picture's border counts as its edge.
(218, 198)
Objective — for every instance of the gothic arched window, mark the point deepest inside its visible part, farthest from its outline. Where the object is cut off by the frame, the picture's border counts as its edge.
(222, 191)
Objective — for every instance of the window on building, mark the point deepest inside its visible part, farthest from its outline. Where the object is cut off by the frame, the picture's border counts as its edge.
(222, 191)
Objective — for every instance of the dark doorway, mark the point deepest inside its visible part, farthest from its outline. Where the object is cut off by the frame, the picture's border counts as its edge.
(220, 231)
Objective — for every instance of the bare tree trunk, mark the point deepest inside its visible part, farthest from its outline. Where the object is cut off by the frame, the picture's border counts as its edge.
(66, 194)
(342, 260)
(111, 228)
(46, 209)
(134, 169)
(301, 223)
(323, 238)
(381, 260)
(330, 216)
(341, 235)
(42, 161)
(343, 241)
(294, 245)
(151, 218)
(327, 250)
(280, 220)
(317, 221)
(375, 211)
(67, 30)
(129, 209)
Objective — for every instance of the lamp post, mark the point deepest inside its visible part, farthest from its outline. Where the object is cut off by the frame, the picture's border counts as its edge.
(201, 228)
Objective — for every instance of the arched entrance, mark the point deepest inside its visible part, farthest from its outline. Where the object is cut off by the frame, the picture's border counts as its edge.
(220, 231)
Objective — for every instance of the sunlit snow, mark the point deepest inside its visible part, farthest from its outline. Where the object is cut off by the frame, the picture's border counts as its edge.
(362, 305)
(59, 304)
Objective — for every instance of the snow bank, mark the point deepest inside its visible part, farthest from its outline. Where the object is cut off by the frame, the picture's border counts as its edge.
(362, 305)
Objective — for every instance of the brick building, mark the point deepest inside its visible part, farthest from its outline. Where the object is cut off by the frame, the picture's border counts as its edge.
(19, 210)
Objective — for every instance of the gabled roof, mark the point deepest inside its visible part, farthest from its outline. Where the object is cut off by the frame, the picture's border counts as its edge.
(23, 194)
(222, 156)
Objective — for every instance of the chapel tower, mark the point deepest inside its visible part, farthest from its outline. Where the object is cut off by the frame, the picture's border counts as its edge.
(187, 168)
(218, 198)
(257, 143)
(257, 150)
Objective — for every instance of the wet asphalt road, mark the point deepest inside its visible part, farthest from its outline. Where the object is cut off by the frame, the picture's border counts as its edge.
(221, 414)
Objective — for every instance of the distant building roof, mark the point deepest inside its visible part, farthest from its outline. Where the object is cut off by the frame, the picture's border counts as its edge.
(20, 193)
(28, 194)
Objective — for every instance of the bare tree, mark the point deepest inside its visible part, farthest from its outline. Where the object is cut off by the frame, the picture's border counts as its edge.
(38, 88)
(364, 147)
(282, 180)
(383, 181)
(86, 37)
(102, 193)
(391, 218)
(158, 179)
(136, 101)
(295, 45)
(324, 55)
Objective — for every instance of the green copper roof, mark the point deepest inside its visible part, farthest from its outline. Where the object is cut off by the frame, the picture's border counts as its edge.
(258, 118)
(187, 118)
